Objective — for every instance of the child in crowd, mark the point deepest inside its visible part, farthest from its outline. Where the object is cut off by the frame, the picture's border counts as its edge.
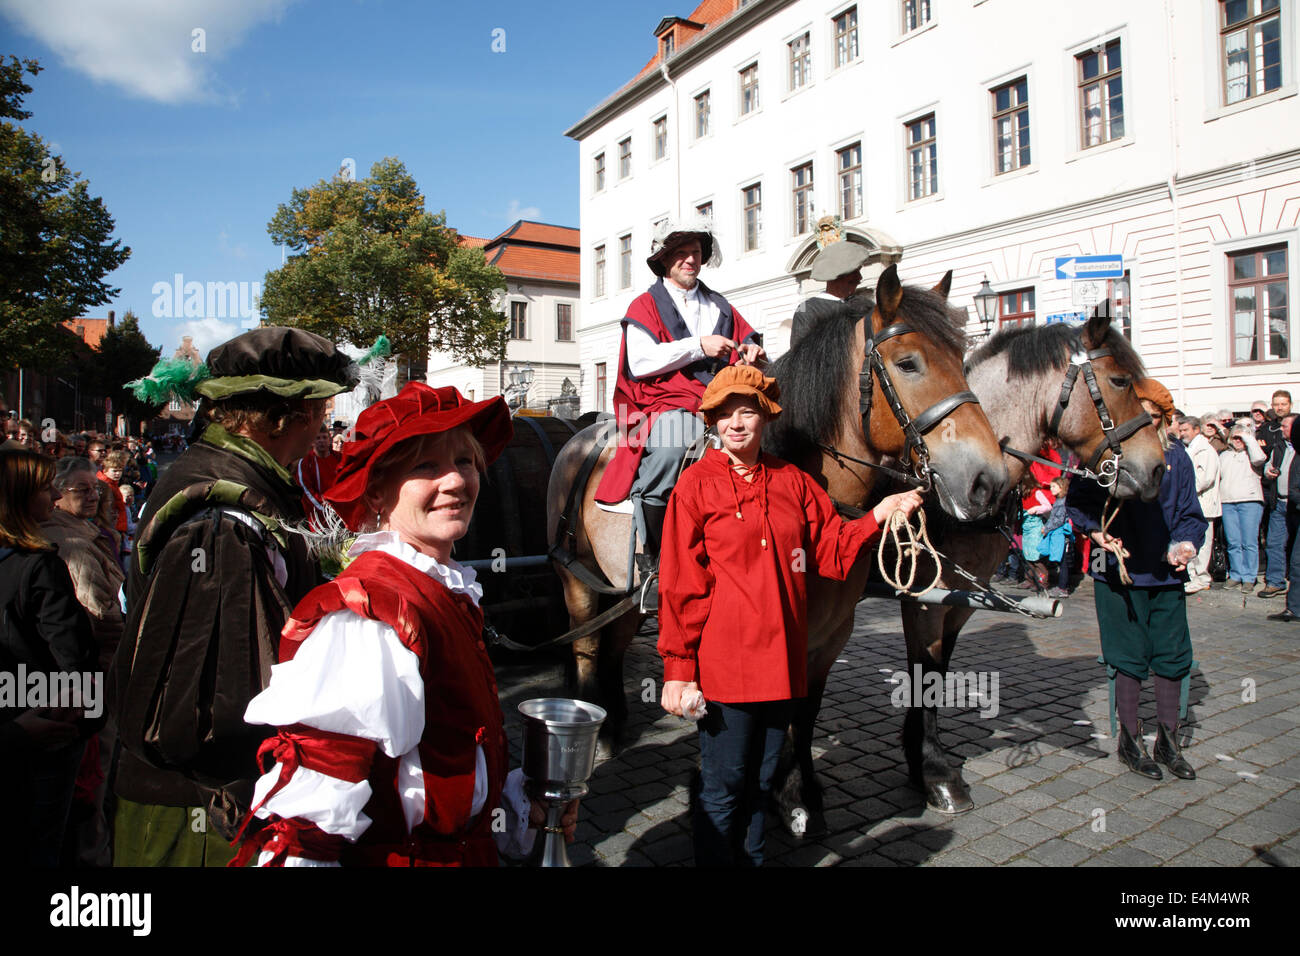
(1037, 504)
(1058, 539)
(128, 497)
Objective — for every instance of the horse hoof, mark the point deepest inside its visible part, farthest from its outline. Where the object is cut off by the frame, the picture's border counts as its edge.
(804, 824)
(949, 797)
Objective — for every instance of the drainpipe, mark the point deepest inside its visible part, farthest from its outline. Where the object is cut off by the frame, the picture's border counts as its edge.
(1172, 186)
(677, 139)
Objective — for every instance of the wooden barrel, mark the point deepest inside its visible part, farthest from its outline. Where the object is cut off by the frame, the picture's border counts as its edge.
(524, 603)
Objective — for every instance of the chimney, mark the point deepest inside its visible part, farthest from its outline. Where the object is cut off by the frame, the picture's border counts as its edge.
(111, 316)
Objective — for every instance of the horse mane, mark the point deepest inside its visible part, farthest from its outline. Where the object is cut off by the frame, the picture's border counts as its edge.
(816, 375)
(1039, 349)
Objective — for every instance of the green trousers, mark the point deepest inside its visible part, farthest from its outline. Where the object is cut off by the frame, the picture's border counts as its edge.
(1144, 629)
(153, 835)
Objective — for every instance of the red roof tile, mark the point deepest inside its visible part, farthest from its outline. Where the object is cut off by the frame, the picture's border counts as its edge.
(529, 262)
(710, 13)
(538, 232)
(89, 331)
(472, 242)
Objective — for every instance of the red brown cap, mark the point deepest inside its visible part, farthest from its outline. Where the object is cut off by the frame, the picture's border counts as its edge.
(416, 410)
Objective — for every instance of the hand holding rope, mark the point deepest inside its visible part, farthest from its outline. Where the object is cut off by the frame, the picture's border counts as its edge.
(1120, 553)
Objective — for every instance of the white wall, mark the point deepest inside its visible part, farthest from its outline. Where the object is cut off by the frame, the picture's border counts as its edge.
(1234, 170)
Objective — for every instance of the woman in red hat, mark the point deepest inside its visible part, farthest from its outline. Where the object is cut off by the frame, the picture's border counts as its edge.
(743, 532)
(391, 750)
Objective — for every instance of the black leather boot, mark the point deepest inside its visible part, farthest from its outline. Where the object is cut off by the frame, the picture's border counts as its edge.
(1167, 752)
(648, 562)
(1134, 754)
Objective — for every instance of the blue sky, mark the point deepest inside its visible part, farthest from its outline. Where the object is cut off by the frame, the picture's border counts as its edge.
(192, 151)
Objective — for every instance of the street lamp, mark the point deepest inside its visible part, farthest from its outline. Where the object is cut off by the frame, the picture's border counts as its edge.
(986, 306)
(521, 379)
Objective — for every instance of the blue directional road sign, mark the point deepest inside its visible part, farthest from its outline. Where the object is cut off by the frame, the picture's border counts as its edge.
(1090, 267)
(1072, 317)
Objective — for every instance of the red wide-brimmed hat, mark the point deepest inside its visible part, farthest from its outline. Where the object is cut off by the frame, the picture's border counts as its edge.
(416, 410)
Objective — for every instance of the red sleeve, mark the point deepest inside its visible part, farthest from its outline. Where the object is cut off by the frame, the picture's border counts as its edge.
(836, 542)
(685, 588)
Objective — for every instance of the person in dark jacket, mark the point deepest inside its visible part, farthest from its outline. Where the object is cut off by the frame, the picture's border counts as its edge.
(839, 265)
(1139, 570)
(213, 579)
(44, 632)
(1291, 613)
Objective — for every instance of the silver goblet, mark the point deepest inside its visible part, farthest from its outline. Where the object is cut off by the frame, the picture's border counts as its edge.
(559, 755)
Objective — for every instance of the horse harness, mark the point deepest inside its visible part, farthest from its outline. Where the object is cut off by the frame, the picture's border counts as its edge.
(1105, 473)
(914, 429)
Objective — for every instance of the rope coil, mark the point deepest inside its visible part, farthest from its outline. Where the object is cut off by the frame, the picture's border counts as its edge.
(1123, 553)
(909, 544)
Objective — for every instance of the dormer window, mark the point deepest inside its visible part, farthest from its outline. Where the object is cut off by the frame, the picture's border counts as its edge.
(668, 45)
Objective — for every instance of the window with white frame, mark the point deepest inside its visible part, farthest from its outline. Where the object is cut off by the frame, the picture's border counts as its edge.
(563, 322)
(702, 115)
(848, 162)
(1101, 95)
(598, 271)
(1257, 303)
(845, 28)
(625, 158)
(801, 196)
(1250, 43)
(749, 89)
(752, 206)
(625, 261)
(661, 137)
(1010, 126)
(922, 157)
(599, 169)
(800, 61)
(705, 210)
(916, 13)
(519, 320)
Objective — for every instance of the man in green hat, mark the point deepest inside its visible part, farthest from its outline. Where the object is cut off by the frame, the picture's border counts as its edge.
(212, 581)
(839, 265)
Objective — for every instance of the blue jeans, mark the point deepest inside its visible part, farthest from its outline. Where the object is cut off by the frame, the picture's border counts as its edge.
(1275, 545)
(739, 748)
(1241, 525)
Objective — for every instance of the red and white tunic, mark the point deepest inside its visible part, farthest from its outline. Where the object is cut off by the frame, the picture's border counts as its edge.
(391, 749)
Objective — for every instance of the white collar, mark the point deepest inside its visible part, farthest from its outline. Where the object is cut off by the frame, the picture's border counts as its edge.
(455, 576)
(678, 292)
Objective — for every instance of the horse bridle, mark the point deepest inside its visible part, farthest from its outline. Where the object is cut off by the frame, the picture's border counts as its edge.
(1105, 473)
(914, 429)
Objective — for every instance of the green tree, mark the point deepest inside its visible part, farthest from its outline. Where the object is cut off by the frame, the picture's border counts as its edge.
(370, 260)
(124, 355)
(55, 246)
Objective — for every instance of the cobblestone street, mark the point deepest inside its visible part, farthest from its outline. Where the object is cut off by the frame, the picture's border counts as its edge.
(1047, 786)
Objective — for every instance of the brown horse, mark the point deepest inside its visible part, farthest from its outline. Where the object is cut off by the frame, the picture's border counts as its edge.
(823, 417)
(1018, 375)
(863, 402)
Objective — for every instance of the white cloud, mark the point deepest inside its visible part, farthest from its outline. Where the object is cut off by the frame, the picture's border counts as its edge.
(148, 48)
(525, 212)
(207, 333)
(238, 250)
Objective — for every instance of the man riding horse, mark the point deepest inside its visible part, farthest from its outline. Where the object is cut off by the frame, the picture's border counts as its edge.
(675, 337)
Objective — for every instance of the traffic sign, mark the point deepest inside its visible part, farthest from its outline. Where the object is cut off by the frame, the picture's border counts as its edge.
(1071, 317)
(1085, 293)
(1090, 267)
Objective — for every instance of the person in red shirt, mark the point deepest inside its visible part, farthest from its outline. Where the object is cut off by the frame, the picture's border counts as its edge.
(742, 533)
(316, 471)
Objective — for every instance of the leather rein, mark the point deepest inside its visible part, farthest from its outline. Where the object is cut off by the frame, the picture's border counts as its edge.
(914, 429)
(1105, 473)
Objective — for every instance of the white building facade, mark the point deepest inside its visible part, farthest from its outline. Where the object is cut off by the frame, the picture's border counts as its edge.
(990, 137)
(541, 304)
